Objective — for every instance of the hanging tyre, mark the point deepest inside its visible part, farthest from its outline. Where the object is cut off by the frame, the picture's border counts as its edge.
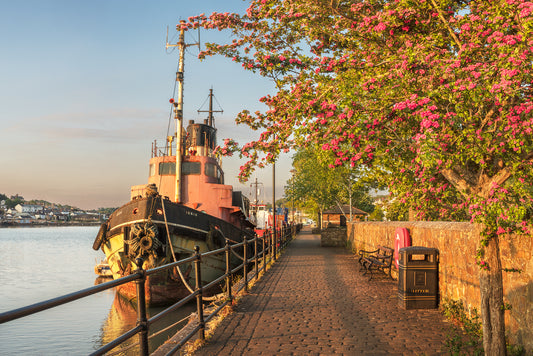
(143, 240)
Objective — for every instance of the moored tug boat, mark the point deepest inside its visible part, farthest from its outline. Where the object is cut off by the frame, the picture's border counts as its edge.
(260, 214)
(185, 204)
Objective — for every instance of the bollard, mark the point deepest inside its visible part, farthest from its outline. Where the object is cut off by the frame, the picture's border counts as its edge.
(141, 308)
(228, 270)
(199, 304)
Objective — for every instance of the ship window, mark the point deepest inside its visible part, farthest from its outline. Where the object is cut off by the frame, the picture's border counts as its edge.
(191, 168)
(152, 170)
(167, 168)
(212, 170)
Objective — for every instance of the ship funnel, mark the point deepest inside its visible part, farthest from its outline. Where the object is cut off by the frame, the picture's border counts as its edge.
(201, 138)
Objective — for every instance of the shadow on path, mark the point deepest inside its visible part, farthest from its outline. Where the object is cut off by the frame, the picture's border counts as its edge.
(314, 300)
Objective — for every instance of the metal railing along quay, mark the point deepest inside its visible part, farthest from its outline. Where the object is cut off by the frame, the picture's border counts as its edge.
(271, 243)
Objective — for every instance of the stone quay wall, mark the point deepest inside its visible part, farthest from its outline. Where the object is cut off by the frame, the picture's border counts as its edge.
(333, 237)
(458, 271)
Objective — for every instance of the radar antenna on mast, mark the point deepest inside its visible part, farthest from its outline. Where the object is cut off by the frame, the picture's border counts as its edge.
(169, 45)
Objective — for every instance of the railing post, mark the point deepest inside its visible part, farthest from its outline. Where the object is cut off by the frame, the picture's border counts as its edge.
(141, 308)
(245, 264)
(273, 245)
(263, 238)
(199, 304)
(270, 245)
(228, 270)
(256, 257)
(275, 238)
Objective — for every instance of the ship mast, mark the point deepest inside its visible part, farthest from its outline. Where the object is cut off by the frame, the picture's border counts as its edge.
(178, 106)
(210, 111)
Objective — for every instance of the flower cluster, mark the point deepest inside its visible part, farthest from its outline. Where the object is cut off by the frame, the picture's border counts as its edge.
(483, 265)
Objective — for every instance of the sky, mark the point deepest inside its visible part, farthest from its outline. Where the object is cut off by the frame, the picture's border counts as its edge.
(84, 92)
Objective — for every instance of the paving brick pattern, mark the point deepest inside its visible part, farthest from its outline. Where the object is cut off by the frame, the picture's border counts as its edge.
(314, 301)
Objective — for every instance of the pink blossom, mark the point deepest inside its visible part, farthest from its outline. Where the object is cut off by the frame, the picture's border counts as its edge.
(380, 27)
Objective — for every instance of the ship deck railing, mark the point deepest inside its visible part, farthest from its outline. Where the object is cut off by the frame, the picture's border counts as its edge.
(271, 244)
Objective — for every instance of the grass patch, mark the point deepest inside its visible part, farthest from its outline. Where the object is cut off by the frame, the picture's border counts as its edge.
(467, 336)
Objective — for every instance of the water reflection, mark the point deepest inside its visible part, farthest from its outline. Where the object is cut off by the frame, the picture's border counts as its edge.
(38, 264)
(123, 317)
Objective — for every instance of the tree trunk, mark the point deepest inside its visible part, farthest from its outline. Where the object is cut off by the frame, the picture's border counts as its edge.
(492, 311)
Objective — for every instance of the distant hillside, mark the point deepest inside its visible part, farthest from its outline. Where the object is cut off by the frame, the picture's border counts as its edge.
(14, 200)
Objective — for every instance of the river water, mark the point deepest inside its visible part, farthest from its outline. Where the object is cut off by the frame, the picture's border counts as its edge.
(41, 263)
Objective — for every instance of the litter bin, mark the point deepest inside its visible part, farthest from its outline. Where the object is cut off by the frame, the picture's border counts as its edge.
(418, 283)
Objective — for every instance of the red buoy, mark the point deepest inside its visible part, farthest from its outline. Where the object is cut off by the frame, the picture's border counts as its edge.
(401, 240)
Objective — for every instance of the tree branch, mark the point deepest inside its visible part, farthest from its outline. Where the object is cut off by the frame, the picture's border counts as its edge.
(457, 181)
(441, 16)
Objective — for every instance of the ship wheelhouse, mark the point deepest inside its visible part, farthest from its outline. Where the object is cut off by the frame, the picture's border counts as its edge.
(202, 179)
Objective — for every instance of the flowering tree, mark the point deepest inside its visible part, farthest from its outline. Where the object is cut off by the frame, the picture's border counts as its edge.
(435, 94)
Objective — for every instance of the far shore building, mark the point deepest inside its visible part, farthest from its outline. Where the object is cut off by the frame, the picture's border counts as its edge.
(339, 215)
(22, 218)
(27, 208)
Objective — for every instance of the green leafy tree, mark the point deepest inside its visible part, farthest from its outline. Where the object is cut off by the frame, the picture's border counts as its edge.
(436, 94)
(11, 203)
(377, 214)
(313, 182)
(318, 187)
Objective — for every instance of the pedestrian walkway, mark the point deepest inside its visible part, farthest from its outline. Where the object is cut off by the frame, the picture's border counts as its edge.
(314, 301)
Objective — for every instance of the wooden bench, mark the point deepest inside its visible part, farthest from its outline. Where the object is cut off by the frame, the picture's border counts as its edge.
(377, 260)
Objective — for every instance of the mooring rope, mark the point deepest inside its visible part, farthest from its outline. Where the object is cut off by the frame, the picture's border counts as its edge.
(207, 299)
(172, 249)
(238, 256)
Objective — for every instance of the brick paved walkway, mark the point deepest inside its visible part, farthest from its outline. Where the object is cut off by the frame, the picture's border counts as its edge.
(314, 301)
